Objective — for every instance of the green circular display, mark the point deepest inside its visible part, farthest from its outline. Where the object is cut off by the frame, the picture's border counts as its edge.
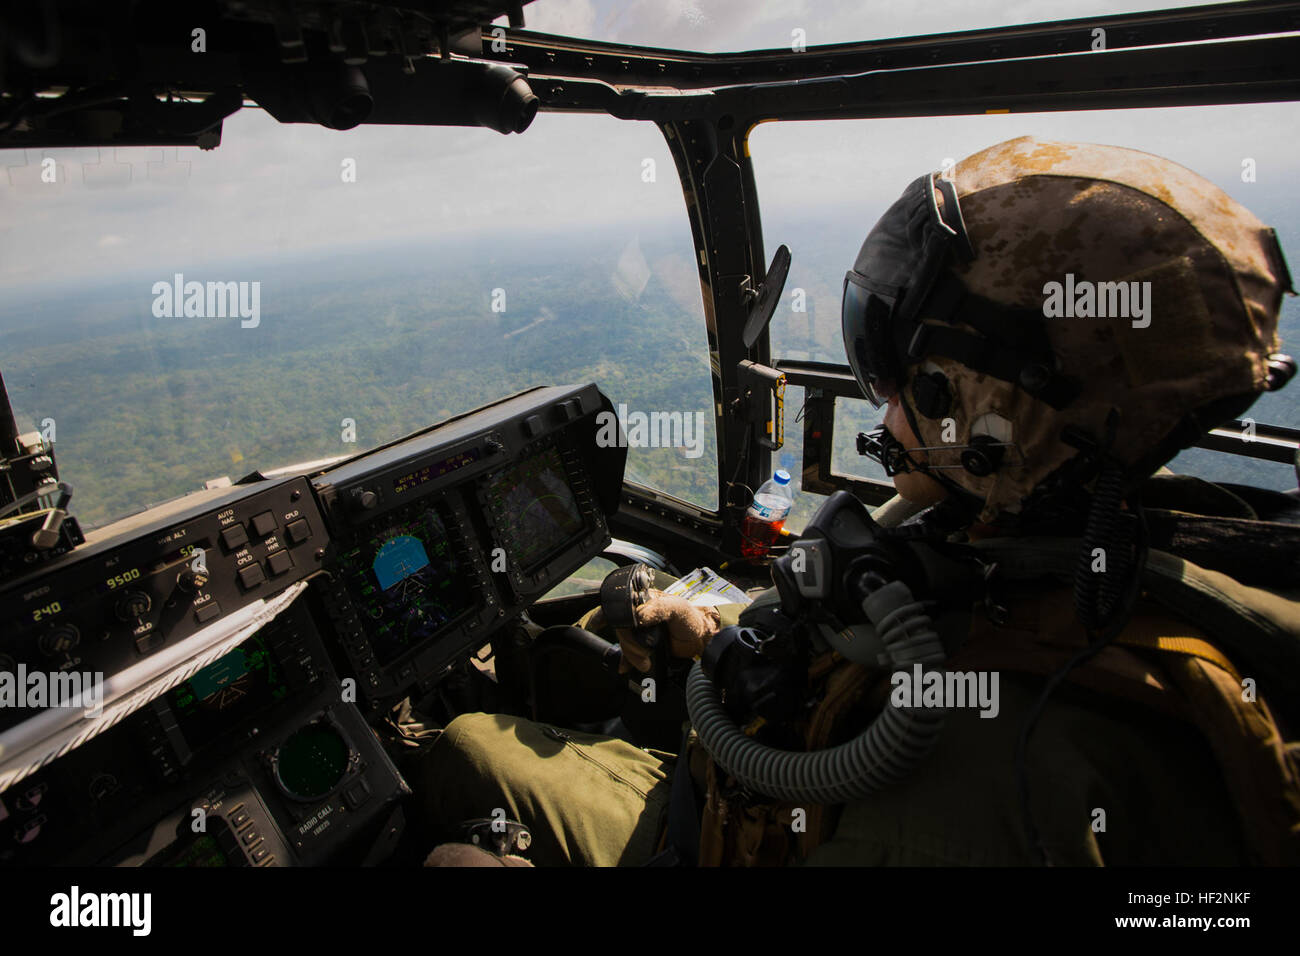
(312, 762)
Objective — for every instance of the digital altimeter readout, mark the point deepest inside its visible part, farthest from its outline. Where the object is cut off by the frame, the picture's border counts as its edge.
(437, 469)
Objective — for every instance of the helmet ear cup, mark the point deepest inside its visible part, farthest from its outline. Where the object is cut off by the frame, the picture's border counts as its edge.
(931, 394)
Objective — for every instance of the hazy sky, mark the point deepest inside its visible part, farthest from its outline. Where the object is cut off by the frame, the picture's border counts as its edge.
(273, 189)
(717, 26)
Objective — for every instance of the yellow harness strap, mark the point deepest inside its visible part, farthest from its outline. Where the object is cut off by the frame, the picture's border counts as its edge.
(1187, 646)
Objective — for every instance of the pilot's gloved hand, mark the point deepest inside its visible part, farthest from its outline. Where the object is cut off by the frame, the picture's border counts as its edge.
(690, 628)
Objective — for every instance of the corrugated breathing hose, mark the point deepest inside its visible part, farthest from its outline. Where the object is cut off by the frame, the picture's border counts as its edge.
(891, 747)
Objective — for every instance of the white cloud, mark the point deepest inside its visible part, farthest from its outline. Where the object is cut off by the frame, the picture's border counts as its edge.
(566, 18)
(715, 26)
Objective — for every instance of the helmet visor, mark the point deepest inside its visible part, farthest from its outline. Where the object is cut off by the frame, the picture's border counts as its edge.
(865, 318)
(895, 272)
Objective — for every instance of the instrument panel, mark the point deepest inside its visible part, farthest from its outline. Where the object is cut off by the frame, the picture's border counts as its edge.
(414, 554)
(447, 533)
(139, 588)
(257, 745)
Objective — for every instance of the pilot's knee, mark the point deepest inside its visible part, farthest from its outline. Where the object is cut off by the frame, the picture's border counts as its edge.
(457, 778)
(472, 740)
(463, 854)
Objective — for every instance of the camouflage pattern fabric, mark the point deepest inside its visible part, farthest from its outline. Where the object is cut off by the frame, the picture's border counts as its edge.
(1037, 211)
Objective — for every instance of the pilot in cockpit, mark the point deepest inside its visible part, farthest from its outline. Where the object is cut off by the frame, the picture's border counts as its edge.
(1044, 329)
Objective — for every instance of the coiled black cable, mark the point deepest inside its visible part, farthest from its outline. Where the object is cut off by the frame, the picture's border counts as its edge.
(1130, 587)
(1097, 594)
(1103, 600)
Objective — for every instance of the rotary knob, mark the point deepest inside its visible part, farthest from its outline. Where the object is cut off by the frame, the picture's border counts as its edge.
(60, 640)
(133, 606)
(191, 581)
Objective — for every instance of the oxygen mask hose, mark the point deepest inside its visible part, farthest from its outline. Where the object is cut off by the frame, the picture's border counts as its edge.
(889, 749)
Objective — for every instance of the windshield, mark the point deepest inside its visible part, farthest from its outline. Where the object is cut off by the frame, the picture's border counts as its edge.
(169, 317)
(719, 26)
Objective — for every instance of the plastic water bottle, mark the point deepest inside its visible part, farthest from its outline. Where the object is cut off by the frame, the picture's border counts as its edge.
(766, 516)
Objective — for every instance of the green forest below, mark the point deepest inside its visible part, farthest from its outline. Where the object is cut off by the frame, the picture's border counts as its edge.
(394, 339)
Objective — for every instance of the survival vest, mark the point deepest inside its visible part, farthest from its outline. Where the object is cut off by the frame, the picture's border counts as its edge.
(1238, 652)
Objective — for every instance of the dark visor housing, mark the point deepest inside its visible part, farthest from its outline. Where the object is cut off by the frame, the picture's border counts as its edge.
(899, 302)
(894, 273)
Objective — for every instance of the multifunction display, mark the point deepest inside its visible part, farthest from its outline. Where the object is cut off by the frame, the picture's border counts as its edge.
(443, 538)
(541, 514)
(238, 685)
(407, 580)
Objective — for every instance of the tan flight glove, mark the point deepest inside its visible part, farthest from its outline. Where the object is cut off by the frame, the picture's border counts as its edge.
(690, 628)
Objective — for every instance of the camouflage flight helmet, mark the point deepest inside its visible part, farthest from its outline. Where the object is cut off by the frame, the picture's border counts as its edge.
(1053, 305)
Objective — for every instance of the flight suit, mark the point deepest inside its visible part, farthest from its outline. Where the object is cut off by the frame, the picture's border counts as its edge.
(1112, 779)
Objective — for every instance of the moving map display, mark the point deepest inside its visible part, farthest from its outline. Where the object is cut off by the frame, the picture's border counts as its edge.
(534, 500)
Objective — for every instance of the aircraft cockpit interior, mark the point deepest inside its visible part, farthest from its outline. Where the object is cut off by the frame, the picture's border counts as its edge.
(368, 365)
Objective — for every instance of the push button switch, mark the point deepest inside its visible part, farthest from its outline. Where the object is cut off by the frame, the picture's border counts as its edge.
(251, 576)
(234, 537)
(279, 562)
(357, 794)
(148, 642)
(263, 524)
(298, 531)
